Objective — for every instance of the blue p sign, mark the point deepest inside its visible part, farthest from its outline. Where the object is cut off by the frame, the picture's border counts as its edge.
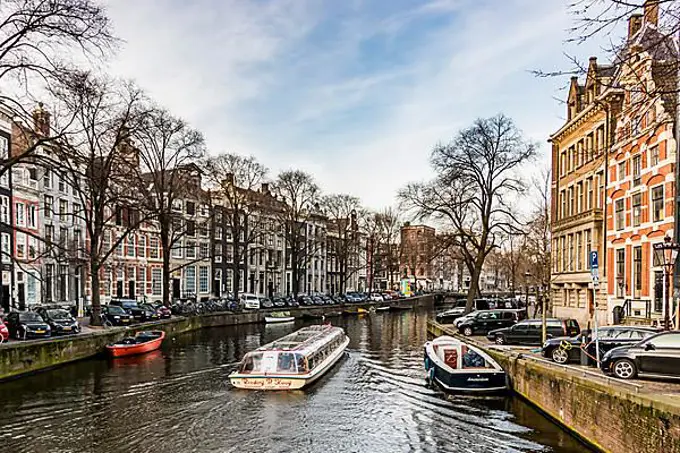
(593, 260)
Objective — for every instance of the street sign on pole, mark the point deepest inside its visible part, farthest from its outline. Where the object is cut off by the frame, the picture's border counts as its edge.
(593, 260)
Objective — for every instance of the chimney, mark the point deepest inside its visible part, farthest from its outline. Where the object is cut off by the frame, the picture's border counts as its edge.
(41, 120)
(652, 12)
(265, 187)
(634, 25)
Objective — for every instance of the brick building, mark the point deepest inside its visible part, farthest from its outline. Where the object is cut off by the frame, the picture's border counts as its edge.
(416, 254)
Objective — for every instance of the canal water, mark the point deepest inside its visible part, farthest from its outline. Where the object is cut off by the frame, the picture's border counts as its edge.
(178, 399)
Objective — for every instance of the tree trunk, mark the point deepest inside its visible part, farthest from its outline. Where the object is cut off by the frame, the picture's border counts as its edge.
(96, 318)
(473, 292)
(236, 271)
(166, 279)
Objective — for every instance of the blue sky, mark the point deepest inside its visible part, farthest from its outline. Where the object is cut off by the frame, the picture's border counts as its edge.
(356, 92)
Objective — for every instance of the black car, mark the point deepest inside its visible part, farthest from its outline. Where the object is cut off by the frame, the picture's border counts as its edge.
(27, 324)
(265, 302)
(131, 307)
(317, 300)
(655, 356)
(564, 350)
(487, 320)
(291, 302)
(60, 321)
(530, 331)
(116, 315)
(151, 313)
(279, 302)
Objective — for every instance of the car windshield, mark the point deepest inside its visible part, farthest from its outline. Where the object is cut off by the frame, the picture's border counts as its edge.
(29, 317)
(58, 314)
(116, 310)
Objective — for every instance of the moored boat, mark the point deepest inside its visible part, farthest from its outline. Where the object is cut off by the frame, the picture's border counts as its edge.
(400, 307)
(354, 311)
(383, 308)
(279, 316)
(456, 366)
(293, 361)
(139, 344)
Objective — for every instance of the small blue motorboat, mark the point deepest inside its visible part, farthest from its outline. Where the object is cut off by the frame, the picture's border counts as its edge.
(458, 367)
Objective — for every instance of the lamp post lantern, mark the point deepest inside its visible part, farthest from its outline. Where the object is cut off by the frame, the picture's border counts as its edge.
(665, 254)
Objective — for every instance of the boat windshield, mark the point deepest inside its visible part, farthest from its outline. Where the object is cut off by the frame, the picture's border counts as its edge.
(252, 363)
(472, 359)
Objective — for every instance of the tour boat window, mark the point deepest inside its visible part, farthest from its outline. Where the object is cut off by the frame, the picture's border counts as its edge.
(301, 363)
(252, 363)
(473, 360)
(286, 363)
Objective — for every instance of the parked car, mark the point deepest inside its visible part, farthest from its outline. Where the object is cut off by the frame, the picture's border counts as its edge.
(60, 321)
(265, 302)
(317, 300)
(132, 308)
(291, 302)
(655, 356)
(116, 315)
(249, 301)
(530, 331)
(485, 321)
(27, 324)
(154, 313)
(163, 311)
(279, 302)
(376, 297)
(4, 331)
(565, 350)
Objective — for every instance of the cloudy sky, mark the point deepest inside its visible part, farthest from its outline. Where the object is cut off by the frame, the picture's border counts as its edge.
(354, 91)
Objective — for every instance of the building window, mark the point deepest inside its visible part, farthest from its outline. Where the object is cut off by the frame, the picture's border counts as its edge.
(49, 201)
(20, 214)
(218, 253)
(579, 252)
(190, 280)
(141, 281)
(156, 281)
(637, 170)
(218, 233)
(230, 254)
(131, 245)
(6, 248)
(203, 276)
(4, 209)
(141, 246)
(637, 209)
(62, 183)
(191, 249)
(571, 201)
(570, 247)
(654, 156)
(21, 245)
(191, 228)
(637, 270)
(589, 194)
(563, 204)
(657, 204)
(63, 208)
(580, 206)
(176, 251)
(622, 171)
(204, 250)
(47, 179)
(153, 248)
(620, 214)
(191, 207)
(620, 271)
(228, 281)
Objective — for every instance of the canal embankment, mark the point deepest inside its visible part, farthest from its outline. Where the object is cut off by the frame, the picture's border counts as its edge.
(610, 415)
(25, 357)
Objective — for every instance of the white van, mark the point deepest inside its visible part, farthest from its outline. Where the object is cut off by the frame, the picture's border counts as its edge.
(250, 301)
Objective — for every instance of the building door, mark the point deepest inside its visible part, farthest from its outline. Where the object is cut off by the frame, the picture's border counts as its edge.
(21, 295)
(131, 289)
(217, 287)
(119, 289)
(175, 288)
(658, 291)
(5, 298)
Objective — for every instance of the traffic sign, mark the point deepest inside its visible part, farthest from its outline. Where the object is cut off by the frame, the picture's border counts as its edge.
(593, 260)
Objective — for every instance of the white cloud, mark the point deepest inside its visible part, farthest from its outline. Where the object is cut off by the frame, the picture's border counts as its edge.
(264, 78)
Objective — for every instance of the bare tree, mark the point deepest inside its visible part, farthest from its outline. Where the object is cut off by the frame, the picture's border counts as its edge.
(168, 150)
(98, 162)
(341, 211)
(235, 181)
(477, 174)
(390, 223)
(538, 250)
(35, 35)
(299, 195)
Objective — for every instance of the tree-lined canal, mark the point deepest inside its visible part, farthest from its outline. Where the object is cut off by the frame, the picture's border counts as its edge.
(179, 399)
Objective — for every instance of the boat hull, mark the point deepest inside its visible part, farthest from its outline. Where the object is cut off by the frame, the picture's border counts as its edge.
(493, 382)
(135, 349)
(274, 319)
(287, 382)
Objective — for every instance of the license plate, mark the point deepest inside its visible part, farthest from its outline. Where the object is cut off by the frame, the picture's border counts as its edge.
(126, 320)
(39, 331)
(67, 328)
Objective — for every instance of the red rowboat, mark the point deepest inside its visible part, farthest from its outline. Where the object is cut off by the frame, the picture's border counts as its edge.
(139, 344)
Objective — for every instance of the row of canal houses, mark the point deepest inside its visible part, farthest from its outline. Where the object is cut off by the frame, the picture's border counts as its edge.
(43, 238)
(614, 164)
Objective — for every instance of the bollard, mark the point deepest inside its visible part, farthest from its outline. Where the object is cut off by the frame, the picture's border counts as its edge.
(582, 353)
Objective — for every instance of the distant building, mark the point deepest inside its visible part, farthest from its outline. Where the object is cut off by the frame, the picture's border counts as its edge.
(416, 255)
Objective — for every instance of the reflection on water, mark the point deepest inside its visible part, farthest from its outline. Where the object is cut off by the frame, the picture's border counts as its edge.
(178, 399)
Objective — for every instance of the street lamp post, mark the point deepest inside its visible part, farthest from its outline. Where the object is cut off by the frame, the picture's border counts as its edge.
(665, 254)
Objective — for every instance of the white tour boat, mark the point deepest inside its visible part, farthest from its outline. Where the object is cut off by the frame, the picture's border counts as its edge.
(291, 362)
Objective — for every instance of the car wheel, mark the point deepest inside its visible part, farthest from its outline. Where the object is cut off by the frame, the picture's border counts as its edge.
(559, 355)
(624, 369)
(467, 331)
(500, 339)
